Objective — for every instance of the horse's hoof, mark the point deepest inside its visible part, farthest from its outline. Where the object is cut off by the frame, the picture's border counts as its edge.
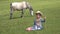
(10, 18)
(22, 16)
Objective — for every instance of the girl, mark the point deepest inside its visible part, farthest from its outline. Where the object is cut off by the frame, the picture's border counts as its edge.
(37, 22)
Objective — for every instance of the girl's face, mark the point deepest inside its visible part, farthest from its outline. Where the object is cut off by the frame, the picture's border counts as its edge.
(38, 16)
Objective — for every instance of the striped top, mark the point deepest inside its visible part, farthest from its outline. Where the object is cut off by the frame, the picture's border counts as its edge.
(39, 22)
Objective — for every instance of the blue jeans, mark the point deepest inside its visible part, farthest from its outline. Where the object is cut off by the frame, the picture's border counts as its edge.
(35, 27)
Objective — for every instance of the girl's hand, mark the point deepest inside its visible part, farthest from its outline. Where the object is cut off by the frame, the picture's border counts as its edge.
(44, 17)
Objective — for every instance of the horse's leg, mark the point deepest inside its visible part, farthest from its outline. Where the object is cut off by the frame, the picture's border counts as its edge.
(22, 13)
(11, 11)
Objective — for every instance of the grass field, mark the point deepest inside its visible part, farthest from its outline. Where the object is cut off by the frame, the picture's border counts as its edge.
(50, 8)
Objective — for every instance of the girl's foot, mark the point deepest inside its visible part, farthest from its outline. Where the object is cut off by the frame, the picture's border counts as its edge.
(29, 29)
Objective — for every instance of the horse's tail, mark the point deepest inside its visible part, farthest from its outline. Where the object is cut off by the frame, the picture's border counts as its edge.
(10, 10)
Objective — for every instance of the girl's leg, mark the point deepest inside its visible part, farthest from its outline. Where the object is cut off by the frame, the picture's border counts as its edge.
(34, 28)
(29, 28)
(39, 27)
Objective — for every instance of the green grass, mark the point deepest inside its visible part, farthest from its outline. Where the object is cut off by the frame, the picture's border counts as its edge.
(50, 8)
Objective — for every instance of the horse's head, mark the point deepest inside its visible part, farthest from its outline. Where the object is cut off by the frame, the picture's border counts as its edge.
(31, 11)
(30, 8)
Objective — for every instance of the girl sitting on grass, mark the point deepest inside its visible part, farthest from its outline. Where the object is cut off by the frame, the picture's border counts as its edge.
(37, 22)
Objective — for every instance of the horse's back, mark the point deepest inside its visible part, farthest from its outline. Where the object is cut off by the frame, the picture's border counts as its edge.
(17, 5)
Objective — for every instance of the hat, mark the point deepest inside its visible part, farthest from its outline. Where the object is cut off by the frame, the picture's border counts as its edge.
(39, 12)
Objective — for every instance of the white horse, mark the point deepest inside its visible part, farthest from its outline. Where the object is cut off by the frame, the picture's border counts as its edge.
(20, 6)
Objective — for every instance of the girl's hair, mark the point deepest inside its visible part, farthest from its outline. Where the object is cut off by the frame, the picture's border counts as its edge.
(38, 14)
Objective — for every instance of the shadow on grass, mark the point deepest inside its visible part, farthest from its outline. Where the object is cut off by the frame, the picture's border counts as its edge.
(22, 17)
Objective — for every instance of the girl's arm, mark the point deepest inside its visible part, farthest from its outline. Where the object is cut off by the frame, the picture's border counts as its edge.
(43, 19)
(34, 22)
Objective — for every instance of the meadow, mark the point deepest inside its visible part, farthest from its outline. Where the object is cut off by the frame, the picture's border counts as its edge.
(17, 25)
